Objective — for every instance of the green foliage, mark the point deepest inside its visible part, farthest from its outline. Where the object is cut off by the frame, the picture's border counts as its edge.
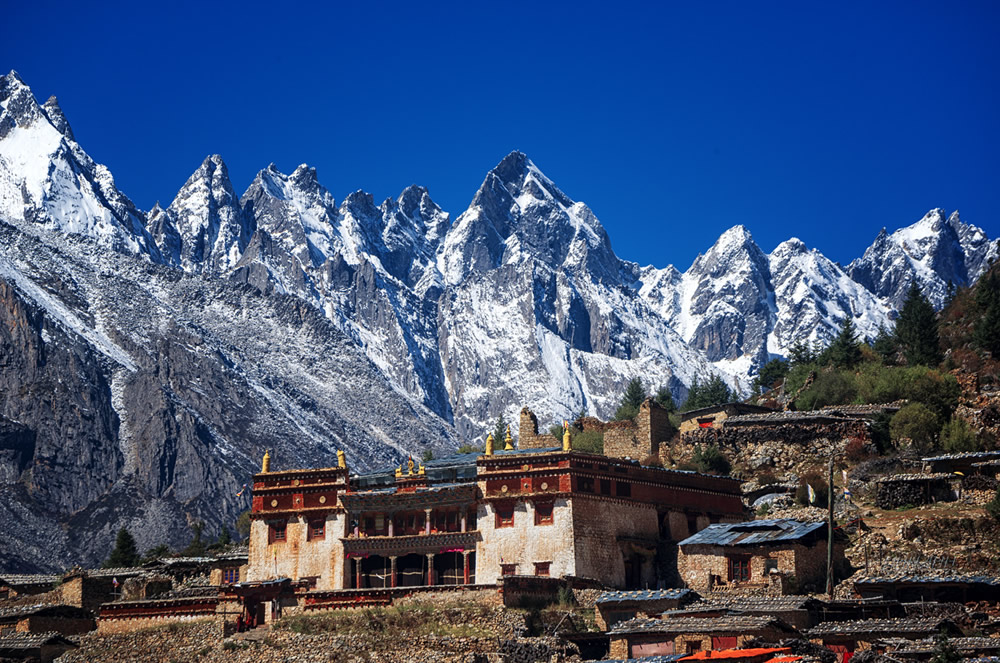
(986, 328)
(556, 431)
(588, 441)
(470, 449)
(956, 437)
(944, 651)
(633, 397)
(819, 486)
(714, 391)
(243, 524)
(709, 460)
(500, 431)
(916, 329)
(917, 422)
(886, 346)
(225, 538)
(801, 353)
(155, 553)
(844, 351)
(993, 506)
(665, 399)
(125, 553)
(427, 455)
(829, 388)
(763, 510)
(197, 547)
(770, 373)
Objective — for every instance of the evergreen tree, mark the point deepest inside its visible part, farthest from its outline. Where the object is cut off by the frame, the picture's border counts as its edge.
(944, 651)
(633, 397)
(713, 392)
(885, 346)
(801, 353)
(770, 373)
(845, 352)
(916, 329)
(225, 538)
(125, 553)
(665, 399)
(197, 547)
(986, 329)
(499, 432)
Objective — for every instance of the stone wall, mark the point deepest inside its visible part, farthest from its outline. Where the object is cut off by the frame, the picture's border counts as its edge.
(525, 543)
(87, 592)
(528, 436)
(108, 626)
(297, 557)
(605, 529)
(61, 625)
(807, 564)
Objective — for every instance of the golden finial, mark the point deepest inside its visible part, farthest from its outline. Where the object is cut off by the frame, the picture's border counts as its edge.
(265, 466)
(341, 460)
(566, 445)
(508, 441)
(489, 444)
(399, 471)
(409, 466)
(421, 471)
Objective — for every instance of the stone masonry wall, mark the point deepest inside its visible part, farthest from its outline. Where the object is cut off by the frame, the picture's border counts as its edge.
(296, 557)
(525, 543)
(58, 624)
(106, 626)
(528, 436)
(598, 524)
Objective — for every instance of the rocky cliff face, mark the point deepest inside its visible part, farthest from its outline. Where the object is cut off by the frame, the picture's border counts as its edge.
(149, 359)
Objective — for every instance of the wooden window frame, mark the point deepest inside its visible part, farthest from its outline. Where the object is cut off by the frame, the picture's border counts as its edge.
(543, 569)
(316, 533)
(738, 568)
(540, 513)
(230, 576)
(277, 531)
(502, 509)
(508, 569)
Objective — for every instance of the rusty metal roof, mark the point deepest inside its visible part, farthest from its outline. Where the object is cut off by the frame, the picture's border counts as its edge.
(754, 532)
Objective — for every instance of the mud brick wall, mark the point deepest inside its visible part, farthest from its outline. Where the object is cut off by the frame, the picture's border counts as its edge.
(86, 592)
(894, 494)
(296, 557)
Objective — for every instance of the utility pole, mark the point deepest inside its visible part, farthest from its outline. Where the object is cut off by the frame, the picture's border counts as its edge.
(831, 494)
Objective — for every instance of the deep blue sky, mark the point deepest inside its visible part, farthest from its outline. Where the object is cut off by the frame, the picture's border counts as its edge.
(673, 121)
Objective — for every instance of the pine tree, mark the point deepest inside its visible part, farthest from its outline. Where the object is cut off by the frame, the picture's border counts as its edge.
(885, 346)
(225, 538)
(125, 553)
(770, 373)
(845, 352)
(499, 432)
(801, 353)
(916, 329)
(665, 399)
(986, 329)
(633, 397)
(712, 392)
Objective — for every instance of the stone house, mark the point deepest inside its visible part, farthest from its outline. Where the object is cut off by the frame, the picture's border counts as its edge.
(715, 415)
(474, 518)
(796, 610)
(930, 586)
(760, 556)
(63, 619)
(899, 490)
(613, 607)
(958, 462)
(15, 585)
(40, 647)
(652, 637)
(847, 637)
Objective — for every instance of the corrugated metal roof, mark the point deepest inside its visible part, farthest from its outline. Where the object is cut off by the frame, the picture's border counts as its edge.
(642, 595)
(963, 456)
(928, 625)
(754, 532)
(725, 624)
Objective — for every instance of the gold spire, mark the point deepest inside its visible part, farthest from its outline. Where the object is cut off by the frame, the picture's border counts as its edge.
(341, 460)
(566, 445)
(421, 471)
(489, 444)
(265, 466)
(508, 441)
(409, 466)
(399, 471)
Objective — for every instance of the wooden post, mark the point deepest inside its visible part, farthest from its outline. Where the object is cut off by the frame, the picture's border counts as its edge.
(829, 533)
(392, 572)
(465, 567)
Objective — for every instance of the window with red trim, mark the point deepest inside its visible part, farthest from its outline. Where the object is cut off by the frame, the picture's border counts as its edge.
(508, 569)
(505, 514)
(317, 530)
(542, 568)
(276, 532)
(739, 567)
(543, 513)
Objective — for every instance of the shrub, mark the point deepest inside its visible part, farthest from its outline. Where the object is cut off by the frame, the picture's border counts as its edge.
(652, 460)
(956, 437)
(916, 422)
(856, 450)
(709, 460)
(588, 441)
(766, 478)
(993, 506)
(830, 388)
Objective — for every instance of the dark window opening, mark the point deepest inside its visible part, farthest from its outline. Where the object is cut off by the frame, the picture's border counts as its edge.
(230, 576)
(623, 489)
(605, 486)
(508, 569)
(317, 530)
(505, 515)
(585, 484)
(543, 513)
(542, 568)
(276, 532)
(739, 568)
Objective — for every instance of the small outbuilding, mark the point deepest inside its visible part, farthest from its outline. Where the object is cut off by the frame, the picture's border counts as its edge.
(649, 637)
(41, 647)
(615, 607)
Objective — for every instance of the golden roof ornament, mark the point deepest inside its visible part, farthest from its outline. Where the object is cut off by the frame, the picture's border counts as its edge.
(421, 471)
(409, 466)
(489, 444)
(566, 444)
(341, 459)
(265, 465)
(399, 471)
(508, 441)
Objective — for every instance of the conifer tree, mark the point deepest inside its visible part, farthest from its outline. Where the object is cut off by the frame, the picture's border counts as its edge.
(499, 432)
(633, 397)
(770, 373)
(844, 352)
(801, 353)
(986, 329)
(885, 346)
(714, 391)
(125, 553)
(916, 329)
(665, 399)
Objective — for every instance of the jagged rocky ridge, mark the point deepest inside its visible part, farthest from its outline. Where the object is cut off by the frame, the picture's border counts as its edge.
(158, 354)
